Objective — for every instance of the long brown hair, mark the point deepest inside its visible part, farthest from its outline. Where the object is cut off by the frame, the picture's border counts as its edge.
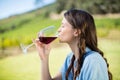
(82, 20)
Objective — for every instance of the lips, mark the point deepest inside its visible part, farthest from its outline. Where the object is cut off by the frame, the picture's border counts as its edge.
(58, 34)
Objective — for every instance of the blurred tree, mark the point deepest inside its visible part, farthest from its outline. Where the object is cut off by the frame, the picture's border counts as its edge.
(93, 6)
(60, 5)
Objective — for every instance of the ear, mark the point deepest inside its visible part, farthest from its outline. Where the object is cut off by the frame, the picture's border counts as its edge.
(77, 32)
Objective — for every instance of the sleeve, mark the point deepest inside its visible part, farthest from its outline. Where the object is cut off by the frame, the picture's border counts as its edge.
(94, 68)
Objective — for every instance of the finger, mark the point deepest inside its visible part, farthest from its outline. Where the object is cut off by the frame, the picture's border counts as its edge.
(40, 34)
(48, 47)
(33, 40)
(40, 44)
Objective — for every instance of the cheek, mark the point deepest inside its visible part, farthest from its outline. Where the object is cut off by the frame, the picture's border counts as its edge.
(66, 36)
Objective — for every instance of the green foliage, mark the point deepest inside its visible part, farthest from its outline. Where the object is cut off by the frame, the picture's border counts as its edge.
(105, 25)
(108, 23)
(102, 32)
(28, 31)
(93, 6)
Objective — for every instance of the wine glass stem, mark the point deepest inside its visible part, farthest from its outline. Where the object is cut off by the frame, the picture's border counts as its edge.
(30, 45)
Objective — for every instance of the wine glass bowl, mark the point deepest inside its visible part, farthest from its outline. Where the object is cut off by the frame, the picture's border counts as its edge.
(46, 36)
(47, 40)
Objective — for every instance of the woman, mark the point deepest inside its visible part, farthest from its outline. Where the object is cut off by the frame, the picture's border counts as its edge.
(86, 61)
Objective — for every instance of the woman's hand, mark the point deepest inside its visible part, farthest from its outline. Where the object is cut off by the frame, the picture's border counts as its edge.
(43, 49)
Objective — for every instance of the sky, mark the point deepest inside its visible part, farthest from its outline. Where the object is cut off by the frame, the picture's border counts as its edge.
(12, 7)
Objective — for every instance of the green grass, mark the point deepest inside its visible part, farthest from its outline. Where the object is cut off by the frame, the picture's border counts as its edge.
(111, 51)
(27, 67)
(31, 28)
(27, 31)
(36, 21)
(108, 23)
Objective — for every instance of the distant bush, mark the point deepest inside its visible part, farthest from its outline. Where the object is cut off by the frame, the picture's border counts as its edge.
(108, 23)
(102, 32)
(7, 42)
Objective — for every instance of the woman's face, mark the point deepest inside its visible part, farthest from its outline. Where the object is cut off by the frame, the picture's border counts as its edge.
(66, 32)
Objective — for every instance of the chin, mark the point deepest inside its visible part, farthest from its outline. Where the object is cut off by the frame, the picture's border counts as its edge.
(61, 41)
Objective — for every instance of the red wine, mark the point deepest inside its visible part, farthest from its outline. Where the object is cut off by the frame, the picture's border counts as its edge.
(47, 40)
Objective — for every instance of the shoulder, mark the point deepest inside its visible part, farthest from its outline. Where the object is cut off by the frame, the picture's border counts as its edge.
(94, 57)
(69, 55)
(94, 67)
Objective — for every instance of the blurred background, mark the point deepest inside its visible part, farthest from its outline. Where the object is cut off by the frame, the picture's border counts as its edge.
(21, 20)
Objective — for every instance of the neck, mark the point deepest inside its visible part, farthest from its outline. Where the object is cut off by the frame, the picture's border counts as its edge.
(74, 47)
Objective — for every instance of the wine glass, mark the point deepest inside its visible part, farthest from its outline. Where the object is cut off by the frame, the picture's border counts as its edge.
(46, 36)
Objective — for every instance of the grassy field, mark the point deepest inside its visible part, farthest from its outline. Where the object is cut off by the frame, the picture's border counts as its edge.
(27, 66)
